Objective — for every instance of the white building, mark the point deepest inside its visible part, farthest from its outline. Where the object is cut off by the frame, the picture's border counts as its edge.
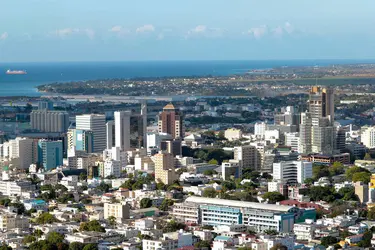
(233, 134)
(305, 231)
(95, 123)
(23, 149)
(122, 129)
(260, 129)
(368, 137)
(16, 188)
(292, 140)
(231, 170)
(112, 167)
(292, 171)
(49, 121)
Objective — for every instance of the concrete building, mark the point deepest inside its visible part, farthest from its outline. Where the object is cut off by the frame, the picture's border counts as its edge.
(317, 133)
(49, 121)
(260, 129)
(258, 216)
(97, 124)
(16, 188)
(233, 134)
(22, 149)
(292, 140)
(80, 140)
(362, 191)
(9, 221)
(164, 168)
(122, 129)
(368, 136)
(292, 171)
(171, 122)
(50, 153)
(118, 210)
(231, 170)
(248, 155)
(112, 168)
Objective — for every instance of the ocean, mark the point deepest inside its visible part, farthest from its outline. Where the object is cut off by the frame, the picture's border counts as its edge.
(42, 73)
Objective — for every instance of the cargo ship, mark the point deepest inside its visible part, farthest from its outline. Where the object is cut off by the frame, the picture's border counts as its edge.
(16, 72)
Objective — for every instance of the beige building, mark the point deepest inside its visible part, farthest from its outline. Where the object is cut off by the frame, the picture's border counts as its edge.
(10, 221)
(118, 210)
(164, 168)
(248, 155)
(233, 134)
(361, 190)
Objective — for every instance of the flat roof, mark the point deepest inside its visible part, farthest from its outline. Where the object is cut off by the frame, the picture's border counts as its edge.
(241, 204)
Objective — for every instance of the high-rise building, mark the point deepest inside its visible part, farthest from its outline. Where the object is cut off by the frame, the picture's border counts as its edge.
(231, 170)
(317, 133)
(287, 116)
(292, 140)
(122, 129)
(110, 128)
(80, 140)
(50, 153)
(171, 122)
(248, 155)
(22, 149)
(164, 168)
(321, 103)
(292, 171)
(368, 137)
(97, 125)
(49, 121)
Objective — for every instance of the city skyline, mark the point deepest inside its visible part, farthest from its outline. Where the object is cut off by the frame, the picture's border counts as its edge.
(166, 30)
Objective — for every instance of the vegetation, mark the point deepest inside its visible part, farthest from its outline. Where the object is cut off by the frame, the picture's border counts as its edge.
(93, 225)
(273, 197)
(328, 240)
(209, 193)
(202, 244)
(173, 226)
(46, 218)
(146, 203)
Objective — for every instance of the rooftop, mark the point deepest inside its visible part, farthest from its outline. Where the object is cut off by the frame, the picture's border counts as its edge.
(241, 204)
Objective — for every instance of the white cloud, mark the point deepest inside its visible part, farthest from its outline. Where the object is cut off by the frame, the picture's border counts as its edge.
(258, 32)
(199, 29)
(4, 36)
(288, 28)
(119, 30)
(278, 32)
(145, 28)
(160, 36)
(203, 30)
(62, 33)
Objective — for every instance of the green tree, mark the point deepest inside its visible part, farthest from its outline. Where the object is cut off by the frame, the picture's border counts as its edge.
(5, 247)
(46, 218)
(91, 246)
(82, 176)
(38, 233)
(273, 197)
(160, 186)
(166, 204)
(213, 161)
(320, 171)
(5, 202)
(103, 187)
(209, 193)
(229, 185)
(328, 240)
(336, 168)
(271, 232)
(361, 176)
(371, 213)
(54, 237)
(351, 171)
(112, 220)
(321, 193)
(221, 135)
(309, 181)
(367, 157)
(18, 206)
(146, 203)
(173, 226)
(209, 172)
(28, 239)
(93, 225)
(202, 244)
(348, 193)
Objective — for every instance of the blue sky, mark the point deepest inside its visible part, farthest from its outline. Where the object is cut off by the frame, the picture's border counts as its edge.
(126, 30)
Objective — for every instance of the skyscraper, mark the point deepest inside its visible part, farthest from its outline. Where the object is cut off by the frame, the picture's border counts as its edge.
(171, 122)
(82, 140)
(96, 124)
(49, 121)
(316, 129)
(50, 153)
(122, 129)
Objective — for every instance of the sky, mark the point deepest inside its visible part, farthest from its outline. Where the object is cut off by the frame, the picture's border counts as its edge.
(139, 30)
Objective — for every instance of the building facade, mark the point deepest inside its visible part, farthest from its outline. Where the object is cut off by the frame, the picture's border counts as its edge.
(171, 122)
(97, 125)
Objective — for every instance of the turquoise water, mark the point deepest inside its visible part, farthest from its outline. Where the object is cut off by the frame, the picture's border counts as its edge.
(41, 73)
